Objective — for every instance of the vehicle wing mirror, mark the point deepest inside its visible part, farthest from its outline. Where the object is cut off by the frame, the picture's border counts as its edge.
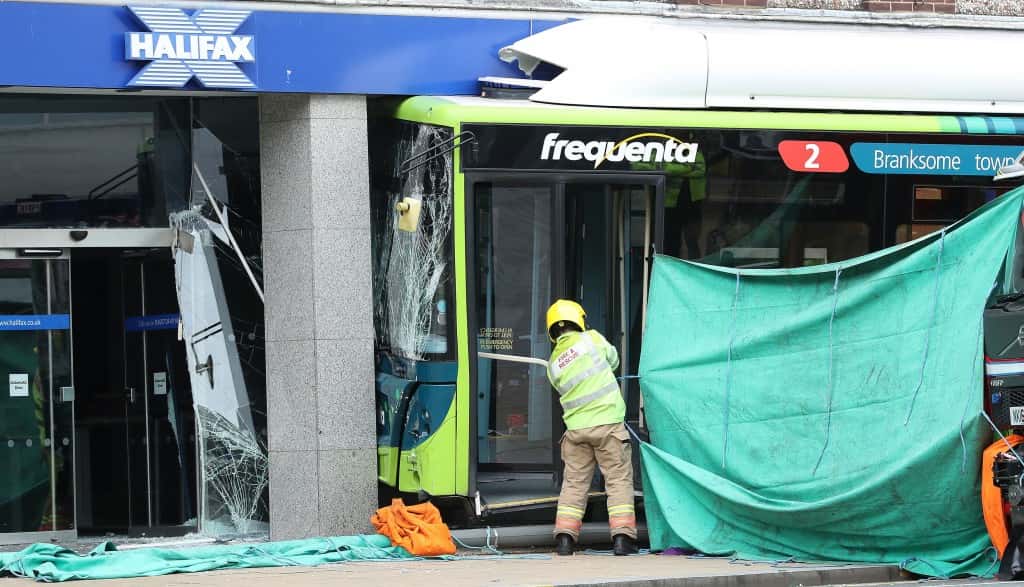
(408, 214)
(1011, 171)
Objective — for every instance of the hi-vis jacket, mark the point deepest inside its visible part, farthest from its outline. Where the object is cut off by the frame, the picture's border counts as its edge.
(581, 370)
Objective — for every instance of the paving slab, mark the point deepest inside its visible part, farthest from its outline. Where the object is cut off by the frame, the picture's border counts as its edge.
(529, 570)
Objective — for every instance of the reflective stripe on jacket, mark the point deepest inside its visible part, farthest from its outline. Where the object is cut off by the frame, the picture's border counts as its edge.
(581, 370)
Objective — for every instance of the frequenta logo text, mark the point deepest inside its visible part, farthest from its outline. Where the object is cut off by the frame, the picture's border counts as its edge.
(653, 147)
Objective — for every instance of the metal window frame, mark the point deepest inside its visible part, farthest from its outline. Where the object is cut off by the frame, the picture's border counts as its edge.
(119, 238)
(12, 243)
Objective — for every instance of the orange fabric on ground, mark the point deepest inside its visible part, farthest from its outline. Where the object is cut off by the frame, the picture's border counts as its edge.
(416, 528)
(991, 496)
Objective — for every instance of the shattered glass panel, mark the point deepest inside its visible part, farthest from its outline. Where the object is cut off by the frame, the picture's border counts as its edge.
(411, 293)
(235, 470)
(218, 273)
(233, 456)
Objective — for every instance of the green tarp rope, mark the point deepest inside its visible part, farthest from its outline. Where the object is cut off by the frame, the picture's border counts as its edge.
(829, 412)
(51, 563)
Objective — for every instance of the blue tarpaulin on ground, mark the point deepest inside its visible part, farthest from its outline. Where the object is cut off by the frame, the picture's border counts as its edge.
(828, 412)
(52, 563)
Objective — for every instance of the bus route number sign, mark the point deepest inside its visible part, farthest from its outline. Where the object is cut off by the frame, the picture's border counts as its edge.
(814, 156)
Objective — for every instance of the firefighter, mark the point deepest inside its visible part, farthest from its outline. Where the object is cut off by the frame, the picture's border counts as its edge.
(581, 371)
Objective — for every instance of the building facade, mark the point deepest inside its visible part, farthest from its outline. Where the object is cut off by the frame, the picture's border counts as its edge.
(186, 265)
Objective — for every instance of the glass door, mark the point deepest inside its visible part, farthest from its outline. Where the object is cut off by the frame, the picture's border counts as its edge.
(590, 239)
(160, 427)
(514, 283)
(135, 433)
(37, 409)
(136, 399)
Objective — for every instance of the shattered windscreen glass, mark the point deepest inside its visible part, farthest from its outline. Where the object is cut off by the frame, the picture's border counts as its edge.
(412, 269)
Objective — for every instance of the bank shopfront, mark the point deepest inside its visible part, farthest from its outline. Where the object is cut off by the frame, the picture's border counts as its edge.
(218, 316)
(133, 325)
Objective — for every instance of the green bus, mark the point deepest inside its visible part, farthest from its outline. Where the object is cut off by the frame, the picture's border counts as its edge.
(521, 203)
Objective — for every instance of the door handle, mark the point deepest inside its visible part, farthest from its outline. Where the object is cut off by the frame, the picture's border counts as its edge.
(130, 393)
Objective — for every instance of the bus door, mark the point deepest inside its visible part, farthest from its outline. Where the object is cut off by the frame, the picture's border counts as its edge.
(610, 238)
(533, 242)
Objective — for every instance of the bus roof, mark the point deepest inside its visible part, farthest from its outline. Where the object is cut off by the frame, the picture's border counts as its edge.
(453, 111)
(699, 63)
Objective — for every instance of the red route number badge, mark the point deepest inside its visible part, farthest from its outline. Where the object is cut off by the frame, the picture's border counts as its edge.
(814, 156)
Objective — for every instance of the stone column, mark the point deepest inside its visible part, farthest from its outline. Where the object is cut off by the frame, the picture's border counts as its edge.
(316, 255)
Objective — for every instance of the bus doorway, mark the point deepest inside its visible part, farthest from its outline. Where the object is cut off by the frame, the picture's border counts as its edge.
(589, 239)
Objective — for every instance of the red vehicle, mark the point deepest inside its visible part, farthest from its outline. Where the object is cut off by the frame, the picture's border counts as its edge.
(1002, 485)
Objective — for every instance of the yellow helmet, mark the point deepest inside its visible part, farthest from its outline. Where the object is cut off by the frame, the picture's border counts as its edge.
(565, 311)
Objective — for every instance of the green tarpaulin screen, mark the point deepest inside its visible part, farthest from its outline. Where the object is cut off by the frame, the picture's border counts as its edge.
(828, 412)
(52, 563)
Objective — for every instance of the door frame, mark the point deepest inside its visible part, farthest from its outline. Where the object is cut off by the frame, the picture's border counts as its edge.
(86, 238)
(141, 464)
(55, 243)
(558, 181)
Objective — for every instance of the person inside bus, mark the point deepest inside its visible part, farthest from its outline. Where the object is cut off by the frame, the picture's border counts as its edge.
(582, 372)
(686, 188)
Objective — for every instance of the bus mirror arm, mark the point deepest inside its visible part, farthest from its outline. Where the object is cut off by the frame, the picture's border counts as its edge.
(1012, 171)
(443, 148)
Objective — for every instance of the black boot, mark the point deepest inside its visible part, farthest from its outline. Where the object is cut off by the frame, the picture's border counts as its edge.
(623, 545)
(566, 545)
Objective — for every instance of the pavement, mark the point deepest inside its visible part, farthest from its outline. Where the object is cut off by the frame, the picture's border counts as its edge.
(535, 565)
(534, 569)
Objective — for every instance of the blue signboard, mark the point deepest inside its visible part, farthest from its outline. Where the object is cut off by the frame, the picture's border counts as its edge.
(154, 322)
(933, 159)
(35, 321)
(181, 46)
(103, 46)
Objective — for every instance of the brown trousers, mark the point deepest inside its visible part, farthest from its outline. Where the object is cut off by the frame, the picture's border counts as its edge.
(606, 446)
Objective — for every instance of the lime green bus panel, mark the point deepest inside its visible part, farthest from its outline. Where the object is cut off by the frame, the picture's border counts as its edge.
(455, 111)
(441, 465)
(463, 392)
(430, 466)
(387, 462)
(458, 464)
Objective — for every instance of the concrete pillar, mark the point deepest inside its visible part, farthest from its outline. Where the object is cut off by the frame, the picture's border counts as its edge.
(316, 255)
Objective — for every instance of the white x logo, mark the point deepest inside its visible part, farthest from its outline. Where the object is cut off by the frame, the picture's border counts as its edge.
(181, 47)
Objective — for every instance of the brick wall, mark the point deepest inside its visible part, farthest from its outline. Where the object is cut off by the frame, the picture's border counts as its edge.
(817, 4)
